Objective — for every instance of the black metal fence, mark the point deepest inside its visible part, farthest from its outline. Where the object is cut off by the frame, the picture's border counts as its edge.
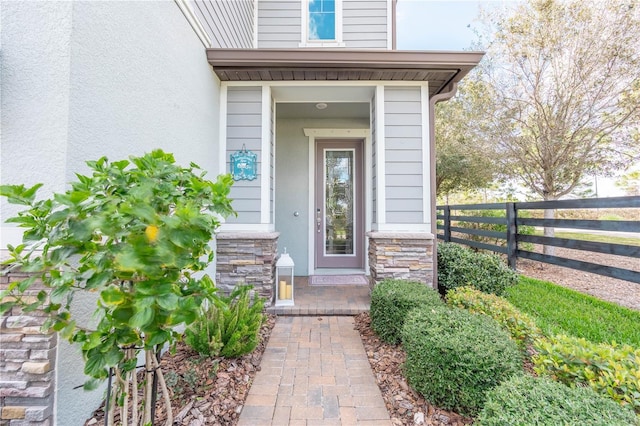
(459, 223)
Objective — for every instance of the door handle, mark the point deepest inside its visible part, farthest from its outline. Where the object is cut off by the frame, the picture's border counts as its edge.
(318, 220)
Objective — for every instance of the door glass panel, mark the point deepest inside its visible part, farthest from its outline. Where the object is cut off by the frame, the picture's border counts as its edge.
(339, 199)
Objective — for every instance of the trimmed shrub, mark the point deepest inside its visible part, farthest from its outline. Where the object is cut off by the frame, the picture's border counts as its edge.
(455, 357)
(521, 327)
(391, 300)
(229, 326)
(525, 400)
(611, 370)
(459, 266)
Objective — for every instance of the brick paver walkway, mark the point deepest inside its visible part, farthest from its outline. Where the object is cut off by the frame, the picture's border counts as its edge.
(314, 372)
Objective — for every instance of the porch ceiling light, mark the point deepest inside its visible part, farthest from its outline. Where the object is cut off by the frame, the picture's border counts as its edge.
(321, 105)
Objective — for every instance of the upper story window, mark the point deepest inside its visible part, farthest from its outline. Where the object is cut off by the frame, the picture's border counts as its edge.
(322, 23)
(322, 20)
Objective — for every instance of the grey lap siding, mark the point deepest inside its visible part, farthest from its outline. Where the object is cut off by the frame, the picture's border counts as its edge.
(229, 24)
(364, 24)
(403, 155)
(279, 23)
(244, 128)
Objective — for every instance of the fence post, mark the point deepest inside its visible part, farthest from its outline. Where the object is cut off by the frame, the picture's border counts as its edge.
(447, 223)
(512, 232)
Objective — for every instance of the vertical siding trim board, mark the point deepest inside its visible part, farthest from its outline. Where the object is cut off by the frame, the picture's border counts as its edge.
(381, 208)
(390, 25)
(265, 166)
(273, 161)
(426, 158)
(222, 142)
(311, 262)
(195, 23)
(255, 23)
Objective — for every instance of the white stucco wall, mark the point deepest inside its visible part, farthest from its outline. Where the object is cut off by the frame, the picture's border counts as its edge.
(85, 79)
(34, 101)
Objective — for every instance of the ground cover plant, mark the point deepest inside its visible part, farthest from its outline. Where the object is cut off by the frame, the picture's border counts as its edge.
(526, 400)
(522, 327)
(391, 300)
(558, 310)
(136, 233)
(453, 357)
(459, 267)
(611, 370)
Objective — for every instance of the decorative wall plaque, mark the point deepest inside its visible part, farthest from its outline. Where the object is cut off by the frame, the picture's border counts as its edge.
(244, 165)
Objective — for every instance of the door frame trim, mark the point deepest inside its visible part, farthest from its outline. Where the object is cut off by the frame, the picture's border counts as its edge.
(356, 258)
(364, 134)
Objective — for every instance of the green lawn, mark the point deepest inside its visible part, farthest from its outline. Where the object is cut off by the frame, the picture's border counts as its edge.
(558, 310)
(600, 238)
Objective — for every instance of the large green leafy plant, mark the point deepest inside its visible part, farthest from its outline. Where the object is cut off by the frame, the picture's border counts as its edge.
(134, 232)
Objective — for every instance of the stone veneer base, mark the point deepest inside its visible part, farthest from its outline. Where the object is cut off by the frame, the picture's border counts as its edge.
(399, 255)
(247, 258)
(27, 362)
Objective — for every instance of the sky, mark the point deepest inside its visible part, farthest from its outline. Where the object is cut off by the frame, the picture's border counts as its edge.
(448, 25)
(437, 24)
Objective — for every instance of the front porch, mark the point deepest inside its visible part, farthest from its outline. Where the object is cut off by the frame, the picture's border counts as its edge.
(325, 300)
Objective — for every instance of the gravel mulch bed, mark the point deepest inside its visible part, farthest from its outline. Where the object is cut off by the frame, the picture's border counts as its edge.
(406, 406)
(206, 391)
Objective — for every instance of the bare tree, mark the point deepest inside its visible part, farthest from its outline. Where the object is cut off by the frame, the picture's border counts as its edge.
(566, 76)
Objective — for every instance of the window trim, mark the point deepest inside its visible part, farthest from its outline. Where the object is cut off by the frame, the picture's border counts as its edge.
(304, 40)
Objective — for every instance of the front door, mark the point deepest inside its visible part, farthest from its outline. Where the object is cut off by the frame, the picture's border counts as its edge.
(339, 202)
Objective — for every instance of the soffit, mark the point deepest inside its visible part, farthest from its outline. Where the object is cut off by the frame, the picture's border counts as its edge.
(440, 69)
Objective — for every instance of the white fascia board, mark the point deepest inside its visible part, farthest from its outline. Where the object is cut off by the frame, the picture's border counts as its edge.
(265, 154)
(195, 23)
(315, 83)
(337, 133)
(381, 207)
(426, 157)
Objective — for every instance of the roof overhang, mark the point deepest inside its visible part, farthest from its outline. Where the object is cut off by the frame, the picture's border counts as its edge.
(440, 69)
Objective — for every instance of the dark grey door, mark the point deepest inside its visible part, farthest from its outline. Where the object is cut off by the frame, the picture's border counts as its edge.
(339, 204)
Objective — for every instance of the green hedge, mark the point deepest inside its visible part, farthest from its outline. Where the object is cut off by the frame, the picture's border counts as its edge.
(611, 370)
(391, 300)
(454, 357)
(522, 328)
(525, 400)
(459, 266)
